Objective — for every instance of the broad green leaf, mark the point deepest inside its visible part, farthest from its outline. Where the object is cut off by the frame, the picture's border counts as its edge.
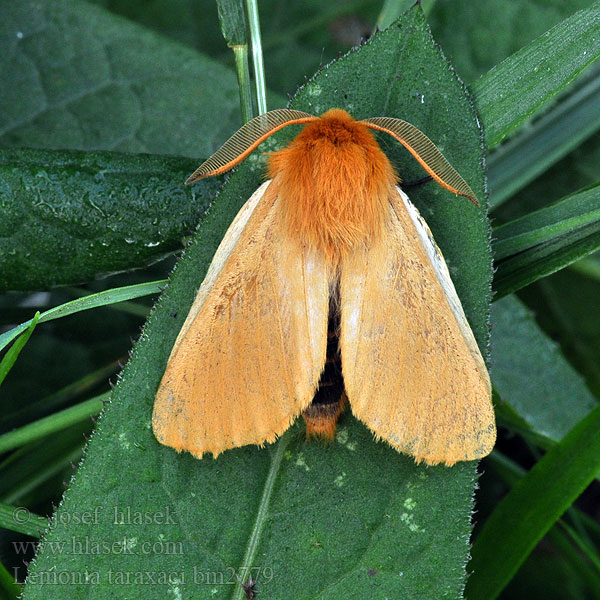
(547, 240)
(87, 302)
(77, 77)
(531, 374)
(296, 41)
(190, 22)
(8, 360)
(19, 518)
(534, 504)
(536, 73)
(517, 162)
(70, 216)
(479, 35)
(297, 36)
(355, 519)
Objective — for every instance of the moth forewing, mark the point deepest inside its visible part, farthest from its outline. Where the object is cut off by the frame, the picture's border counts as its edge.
(249, 356)
(223, 252)
(441, 270)
(412, 370)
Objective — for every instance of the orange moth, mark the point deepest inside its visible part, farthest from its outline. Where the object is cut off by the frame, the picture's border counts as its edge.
(328, 287)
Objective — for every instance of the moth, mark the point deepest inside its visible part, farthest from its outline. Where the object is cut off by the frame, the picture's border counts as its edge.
(328, 288)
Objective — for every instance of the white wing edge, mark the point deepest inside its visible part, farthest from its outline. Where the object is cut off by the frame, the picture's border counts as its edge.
(441, 270)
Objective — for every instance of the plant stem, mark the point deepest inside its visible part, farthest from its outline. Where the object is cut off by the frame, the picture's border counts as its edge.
(257, 56)
(243, 75)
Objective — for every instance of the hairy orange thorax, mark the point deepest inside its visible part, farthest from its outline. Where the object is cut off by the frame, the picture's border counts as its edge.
(334, 182)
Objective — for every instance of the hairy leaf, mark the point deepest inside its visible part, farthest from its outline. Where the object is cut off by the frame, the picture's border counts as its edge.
(355, 519)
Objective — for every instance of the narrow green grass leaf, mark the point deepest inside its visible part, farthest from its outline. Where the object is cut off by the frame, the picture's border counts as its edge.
(21, 519)
(586, 549)
(568, 546)
(8, 586)
(28, 472)
(16, 416)
(13, 353)
(587, 570)
(565, 303)
(52, 424)
(464, 29)
(546, 240)
(514, 164)
(528, 511)
(536, 73)
(232, 20)
(86, 303)
(589, 266)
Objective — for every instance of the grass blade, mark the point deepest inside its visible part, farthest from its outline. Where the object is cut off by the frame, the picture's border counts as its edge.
(530, 509)
(514, 164)
(8, 586)
(11, 356)
(19, 518)
(257, 56)
(87, 302)
(51, 424)
(232, 20)
(536, 73)
(546, 240)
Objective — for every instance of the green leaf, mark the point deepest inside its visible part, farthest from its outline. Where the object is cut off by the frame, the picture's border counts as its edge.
(547, 240)
(19, 518)
(479, 35)
(78, 77)
(392, 9)
(232, 20)
(517, 162)
(536, 73)
(52, 424)
(34, 474)
(87, 302)
(42, 407)
(10, 589)
(567, 575)
(529, 510)
(566, 298)
(71, 216)
(531, 374)
(355, 519)
(11, 356)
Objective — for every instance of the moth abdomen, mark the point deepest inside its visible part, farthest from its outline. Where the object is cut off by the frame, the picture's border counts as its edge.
(322, 413)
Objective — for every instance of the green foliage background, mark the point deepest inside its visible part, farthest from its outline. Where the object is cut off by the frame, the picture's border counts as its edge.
(105, 107)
